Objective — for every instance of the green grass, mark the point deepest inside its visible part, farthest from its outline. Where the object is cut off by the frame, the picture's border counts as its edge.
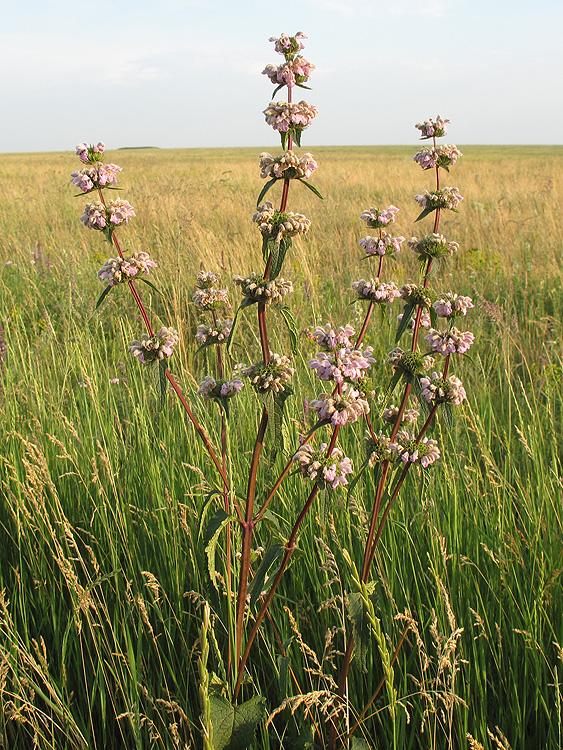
(103, 567)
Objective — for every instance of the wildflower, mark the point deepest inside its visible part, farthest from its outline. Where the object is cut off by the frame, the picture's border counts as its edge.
(375, 218)
(207, 279)
(431, 129)
(439, 156)
(325, 470)
(288, 166)
(256, 288)
(96, 176)
(292, 72)
(432, 246)
(343, 409)
(156, 348)
(90, 154)
(210, 299)
(271, 377)
(408, 450)
(277, 224)
(290, 118)
(383, 293)
(328, 339)
(379, 448)
(119, 211)
(425, 320)
(384, 245)
(447, 197)
(342, 364)
(118, 270)
(437, 390)
(412, 363)
(211, 388)
(214, 334)
(452, 305)
(94, 216)
(451, 341)
(288, 45)
(414, 294)
(391, 413)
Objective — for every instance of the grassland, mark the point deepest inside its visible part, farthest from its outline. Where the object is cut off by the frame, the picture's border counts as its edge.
(102, 563)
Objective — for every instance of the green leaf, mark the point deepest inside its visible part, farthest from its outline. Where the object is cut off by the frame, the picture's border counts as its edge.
(162, 383)
(291, 325)
(408, 312)
(284, 139)
(149, 283)
(276, 419)
(284, 662)
(297, 136)
(433, 317)
(312, 188)
(234, 726)
(104, 294)
(302, 86)
(265, 189)
(246, 302)
(211, 538)
(358, 743)
(278, 252)
(278, 89)
(257, 585)
(390, 388)
(210, 497)
(424, 213)
(360, 628)
(357, 478)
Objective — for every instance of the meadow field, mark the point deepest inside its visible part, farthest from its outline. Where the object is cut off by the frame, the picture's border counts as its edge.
(103, 497)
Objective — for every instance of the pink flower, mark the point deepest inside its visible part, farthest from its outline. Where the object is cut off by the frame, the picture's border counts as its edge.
(120, 211)
(451, 341)
(447, 197)
(296, 71)
(94, 216)
(284, 117)
(383, 293)
(287, 45)
(452, 304)
(97, 175)
(326, 337)
(90, 154)
(384, 245)
(431, 129)
(375, 218)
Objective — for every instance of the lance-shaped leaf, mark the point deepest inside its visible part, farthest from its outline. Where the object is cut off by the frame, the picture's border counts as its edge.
(423, 214)
(246, 302)
(357, 478)
(360, 628)
(312, 188)
(278, 252)
(149, 283)
(218, 521)
(408, 312)
(162, 383)
(291, 325)
(390, 388)
(104, 294)
(284, 138)
(257, 585)
(265, 189)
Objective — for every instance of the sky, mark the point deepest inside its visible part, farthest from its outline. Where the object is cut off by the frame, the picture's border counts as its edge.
(187, 73)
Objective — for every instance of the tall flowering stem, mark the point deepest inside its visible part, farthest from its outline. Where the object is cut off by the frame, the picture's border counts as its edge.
(421, 309)
(277, 227)
(106, 217)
